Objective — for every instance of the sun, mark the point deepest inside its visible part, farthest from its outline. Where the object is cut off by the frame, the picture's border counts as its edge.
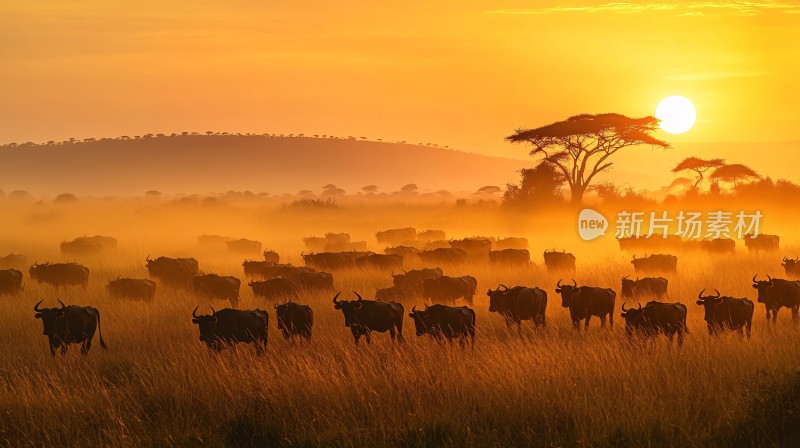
(677, 114)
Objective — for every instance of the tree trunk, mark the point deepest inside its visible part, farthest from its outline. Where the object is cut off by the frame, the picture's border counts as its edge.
(577, 193)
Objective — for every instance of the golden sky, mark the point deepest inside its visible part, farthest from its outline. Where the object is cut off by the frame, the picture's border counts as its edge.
(459, 73)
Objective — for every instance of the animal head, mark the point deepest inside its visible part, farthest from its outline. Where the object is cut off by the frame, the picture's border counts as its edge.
(764, 287)
(567, 292)
(49, 316)
(348, 307)
(709, 302)
(207, 324)
(633, 317)
(420, 318)
(496, 297)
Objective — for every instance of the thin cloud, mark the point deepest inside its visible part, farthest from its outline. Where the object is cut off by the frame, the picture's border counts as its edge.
(713, 76)
(698, 8)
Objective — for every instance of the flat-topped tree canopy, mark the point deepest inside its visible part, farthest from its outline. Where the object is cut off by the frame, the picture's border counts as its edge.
(581, 145)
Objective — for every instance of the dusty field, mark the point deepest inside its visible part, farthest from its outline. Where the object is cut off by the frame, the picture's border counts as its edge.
(157, 385)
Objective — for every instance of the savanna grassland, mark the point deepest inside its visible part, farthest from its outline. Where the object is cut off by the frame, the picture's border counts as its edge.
(158, 385)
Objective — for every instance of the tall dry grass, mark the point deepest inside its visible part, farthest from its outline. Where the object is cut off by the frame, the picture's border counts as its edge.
(157, 385)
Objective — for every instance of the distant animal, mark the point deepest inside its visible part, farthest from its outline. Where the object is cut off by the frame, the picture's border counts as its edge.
(517, 257)
(365, 316)
(437, 244)
(358, 246)
(413, 279)
(270, 256)
(776, 293)
(13, 261)
(396, 236)
(380, 261)
(656, 263)
(511, 243)
(315, 243)
(762, 242)
(473, 247)
(726, 313)
(88, 245)
(517, 304)
(448, 322)
(60, 274)
(432, 235)
(407, 252)
(718, 246)
(792, 267)
(290, 288)
(332, 260)
(449, 289)
(173, 272)
(587, 301)
(644, 287)
(295, 320)
(132, 288)
(337, 237)
(285, 270)
(443, 256)
(396, 293)
(10, 281)
(70, 325)
(213, 241)
(244, 246)
(213, 286)
(254, 268)
(559, 261)
(228, 327)
(656, 318)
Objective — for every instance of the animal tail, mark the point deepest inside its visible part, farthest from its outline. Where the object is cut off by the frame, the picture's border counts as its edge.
(100, 332)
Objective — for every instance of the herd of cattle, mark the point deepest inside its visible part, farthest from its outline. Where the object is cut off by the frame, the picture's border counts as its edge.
(287, 284)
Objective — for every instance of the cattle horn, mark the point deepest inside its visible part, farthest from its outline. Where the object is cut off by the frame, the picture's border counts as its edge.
(335, 297)
(574, 283)
(785, 259)
(634, 257)
(754, 278)
(640, 306)
(718, 294)
(36, 307)
(700, 296)
(194, 313)
(625, 277)
(624, 310)
(559, 283)
(504, 286)
(413, 309)
(358, 295)
(213, 311)
(63, 307)
(769, 278)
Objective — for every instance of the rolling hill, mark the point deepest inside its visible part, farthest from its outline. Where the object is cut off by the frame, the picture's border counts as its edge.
(216, 163)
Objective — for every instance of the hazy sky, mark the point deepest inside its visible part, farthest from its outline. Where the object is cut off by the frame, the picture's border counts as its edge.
(459, 73)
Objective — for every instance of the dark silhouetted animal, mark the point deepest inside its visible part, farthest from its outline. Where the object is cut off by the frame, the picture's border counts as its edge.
(413, 279)
(60, 274)
(517, 304)
(13, 261)
(88, 245)
(718, 246)
(776, 293)
(473, 247)
(587, 301)
(449, 289)
(397, 294)
(337, 237)
(357, 246)
(726, 313)
(559, 261)
(518, 257)
(447, 255)
(10, 281)
(656, 263)
(132, 288)
(315, 243)
(762, 242)
(333, 260)
(442, 321)
(228, 327)
(295, 320)
(437, 244)
(213, 241)
(407, 252)
(213, 286)
(792, 267)
(396, 236)
(645, 287)
(380, 261)
(270, 256)
(285, 270)
(174, 272)
(656, 318)
(290, 288)
(70, 325)
(365, 316)
(511, 243)
(253, 268)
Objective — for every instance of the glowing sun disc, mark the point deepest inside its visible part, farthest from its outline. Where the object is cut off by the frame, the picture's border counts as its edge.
(677, 114)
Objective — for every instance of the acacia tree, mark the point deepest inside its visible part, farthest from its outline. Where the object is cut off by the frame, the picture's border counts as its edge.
(580, 147)
(733, 173)
(698, 165)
